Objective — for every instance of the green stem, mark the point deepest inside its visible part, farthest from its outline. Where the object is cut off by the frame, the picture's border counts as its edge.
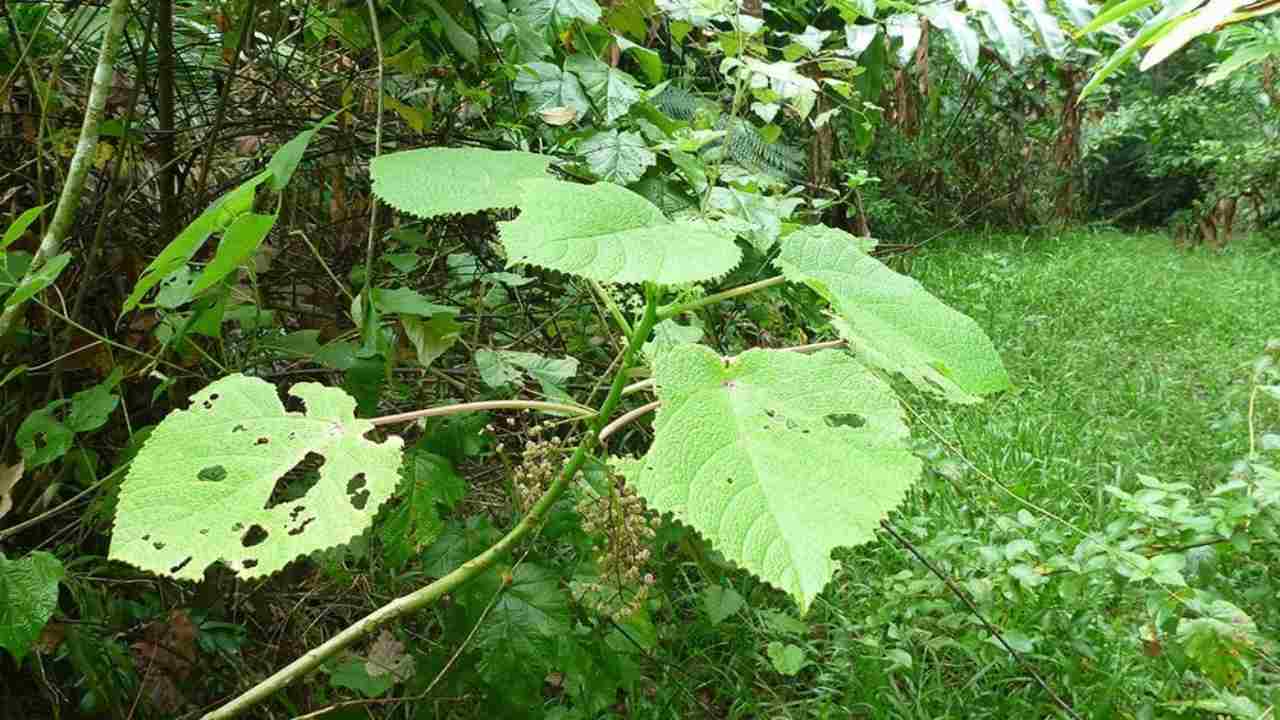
(86, 150)
(469, 570)
(671, 311)
(614, 310)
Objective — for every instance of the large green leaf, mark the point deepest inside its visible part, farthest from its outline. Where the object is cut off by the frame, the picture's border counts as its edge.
(608, 233)
(1151, 31)
(613, 90)
(962, 38)
(776, 458)
(891, 321)
(619, 157)
(549, 88)
(203, 488)
(1204, 20)
(998, 24)
(441, 181)
(1055, 41)
(28, 597)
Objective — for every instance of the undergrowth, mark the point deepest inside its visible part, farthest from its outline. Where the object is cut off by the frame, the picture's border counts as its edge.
(1130, 359)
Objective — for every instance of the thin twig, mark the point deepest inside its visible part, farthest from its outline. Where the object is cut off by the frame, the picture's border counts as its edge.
(483, 405)
(627, 417)
(995, 632)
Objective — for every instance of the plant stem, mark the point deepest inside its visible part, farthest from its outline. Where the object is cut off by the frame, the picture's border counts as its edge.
(377, 150)
(612, 305)
(472, 568)
(671, 311)
(483, 405)
(86, 149)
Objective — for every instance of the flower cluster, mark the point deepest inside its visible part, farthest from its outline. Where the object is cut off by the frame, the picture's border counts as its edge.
(624, 530)
(540, 462)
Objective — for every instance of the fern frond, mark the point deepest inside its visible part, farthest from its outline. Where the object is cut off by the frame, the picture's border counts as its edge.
(680, 104)
(743, 142)
(748, 148)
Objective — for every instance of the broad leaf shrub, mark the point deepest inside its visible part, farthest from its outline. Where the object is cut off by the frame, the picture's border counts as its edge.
(775, 458)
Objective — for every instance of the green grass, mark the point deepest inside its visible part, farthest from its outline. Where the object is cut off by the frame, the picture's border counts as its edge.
(1129, 358)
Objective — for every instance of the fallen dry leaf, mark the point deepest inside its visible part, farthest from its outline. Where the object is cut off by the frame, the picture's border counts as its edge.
(9, 477)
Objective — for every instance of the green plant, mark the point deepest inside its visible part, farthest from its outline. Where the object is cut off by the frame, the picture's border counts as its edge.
(734, 437)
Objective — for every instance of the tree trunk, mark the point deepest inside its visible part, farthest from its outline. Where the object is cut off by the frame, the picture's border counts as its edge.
(1067, 148)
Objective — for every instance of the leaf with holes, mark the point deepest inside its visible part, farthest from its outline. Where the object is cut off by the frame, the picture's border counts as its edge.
(42, 437)
(776, 458)
(204, 487)
(608, 233)
(891, 321)
(442, 181)
(28, 597)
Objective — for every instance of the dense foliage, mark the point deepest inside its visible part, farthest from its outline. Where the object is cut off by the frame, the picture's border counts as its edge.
(556, 358)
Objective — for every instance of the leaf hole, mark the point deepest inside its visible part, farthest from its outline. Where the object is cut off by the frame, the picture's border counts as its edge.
(249, 563)
(146, 537)
(729, 480)
(237, 527)
(255, 536)
(297, 482)
(239, 428)
(180, 565)
(298, 530)
(849, 420)
(213, 473)
(356, 489)
(204, 531)
(262, 441)
(157, 545)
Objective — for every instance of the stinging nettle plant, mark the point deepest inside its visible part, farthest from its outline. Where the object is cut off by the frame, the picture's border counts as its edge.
(775, 457)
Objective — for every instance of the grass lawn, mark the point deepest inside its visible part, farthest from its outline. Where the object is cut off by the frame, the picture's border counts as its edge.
(1130, 358)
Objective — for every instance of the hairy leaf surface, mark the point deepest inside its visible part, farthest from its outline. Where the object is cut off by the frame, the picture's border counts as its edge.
(608, 233)
(891, 321)
(776, 458)
(440, 181)
(203, 488)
